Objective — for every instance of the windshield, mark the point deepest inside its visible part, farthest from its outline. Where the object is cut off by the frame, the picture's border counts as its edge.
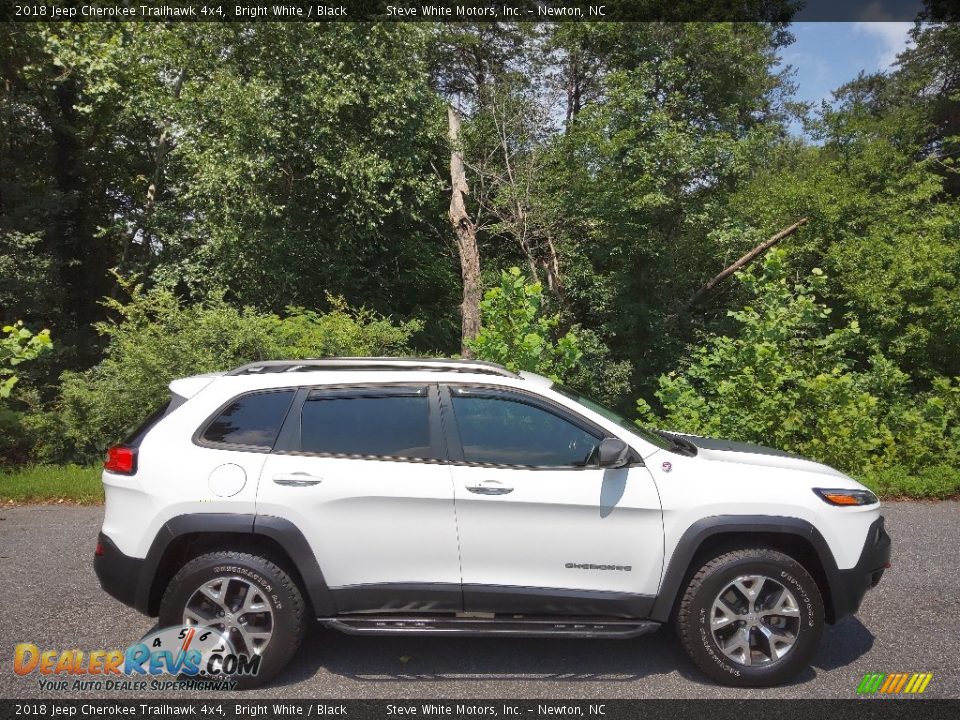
(648, 435)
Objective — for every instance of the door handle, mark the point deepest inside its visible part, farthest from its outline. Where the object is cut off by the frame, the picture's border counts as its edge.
(489, 487)
(297, 479)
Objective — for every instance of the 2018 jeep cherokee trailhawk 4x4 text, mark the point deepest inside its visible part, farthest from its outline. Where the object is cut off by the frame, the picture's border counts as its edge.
(434, 496)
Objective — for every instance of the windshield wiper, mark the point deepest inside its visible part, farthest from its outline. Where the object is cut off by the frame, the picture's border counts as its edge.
(679, 445)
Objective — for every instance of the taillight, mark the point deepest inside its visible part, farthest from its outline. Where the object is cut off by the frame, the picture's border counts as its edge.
(99, 550)
(121, 460)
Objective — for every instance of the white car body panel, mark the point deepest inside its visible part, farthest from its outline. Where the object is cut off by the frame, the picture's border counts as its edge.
(553, 517)
(396, 517)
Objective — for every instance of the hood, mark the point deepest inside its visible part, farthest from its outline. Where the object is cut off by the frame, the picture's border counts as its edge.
(749, 454)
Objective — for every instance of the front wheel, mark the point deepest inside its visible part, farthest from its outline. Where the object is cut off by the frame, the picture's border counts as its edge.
(751, 618)
(247, 599)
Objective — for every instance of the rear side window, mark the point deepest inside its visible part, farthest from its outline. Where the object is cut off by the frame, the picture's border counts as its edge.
(252, 421)
(385, 426)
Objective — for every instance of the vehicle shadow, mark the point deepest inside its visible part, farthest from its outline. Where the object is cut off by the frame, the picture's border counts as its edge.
(843, 643)
(404, 659)
(437, 659)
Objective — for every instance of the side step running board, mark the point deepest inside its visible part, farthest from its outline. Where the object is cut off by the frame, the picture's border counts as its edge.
(515, 627)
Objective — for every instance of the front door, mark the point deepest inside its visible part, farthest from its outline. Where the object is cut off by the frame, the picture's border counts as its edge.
(360, 472)
(543, 529)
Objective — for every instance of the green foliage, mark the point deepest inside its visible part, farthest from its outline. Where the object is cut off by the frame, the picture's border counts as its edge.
(516, 332)
(157, 338)
(52, 483)
(20, 345)
(788, 380)
(935, 482)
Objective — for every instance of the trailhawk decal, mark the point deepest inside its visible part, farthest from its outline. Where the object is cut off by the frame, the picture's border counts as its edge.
(591, 566)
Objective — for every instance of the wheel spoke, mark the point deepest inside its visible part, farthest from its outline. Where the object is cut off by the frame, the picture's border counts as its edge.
(215, 594)
(750, 587)
(197, 619)
(783, 604)
(777, 644)
(738, 647)
(252, 602)
(722, 615)
(254, 640)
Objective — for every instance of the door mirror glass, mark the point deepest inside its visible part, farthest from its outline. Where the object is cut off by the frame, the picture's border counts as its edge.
(613, 453)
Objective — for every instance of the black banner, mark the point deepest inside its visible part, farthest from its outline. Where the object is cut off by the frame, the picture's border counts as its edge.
(473, 10)
(214, 709)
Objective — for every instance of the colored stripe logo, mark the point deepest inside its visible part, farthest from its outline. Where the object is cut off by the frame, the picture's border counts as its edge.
(894, 683)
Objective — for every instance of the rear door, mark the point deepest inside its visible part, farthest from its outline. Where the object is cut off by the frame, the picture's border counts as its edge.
(360, 471)
(543, 529)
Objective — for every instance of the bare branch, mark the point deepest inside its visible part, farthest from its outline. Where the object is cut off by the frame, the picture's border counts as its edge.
(701, 294)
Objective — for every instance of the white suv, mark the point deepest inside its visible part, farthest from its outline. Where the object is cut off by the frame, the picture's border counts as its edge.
(439, 496)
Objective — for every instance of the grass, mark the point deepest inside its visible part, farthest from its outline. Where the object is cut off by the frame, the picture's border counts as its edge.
(937, 482)
(81, 485)
(52, 484)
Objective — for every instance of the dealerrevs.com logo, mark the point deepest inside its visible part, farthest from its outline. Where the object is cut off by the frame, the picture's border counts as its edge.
(197, 657)
(894, 683)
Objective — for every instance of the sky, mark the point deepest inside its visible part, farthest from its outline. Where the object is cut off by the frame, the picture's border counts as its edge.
(828, 54)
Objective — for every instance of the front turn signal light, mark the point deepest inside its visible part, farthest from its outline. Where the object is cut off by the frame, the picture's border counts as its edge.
(844, 497)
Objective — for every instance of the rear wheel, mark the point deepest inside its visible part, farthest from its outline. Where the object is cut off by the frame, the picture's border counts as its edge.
(751, 617)
(253, 603)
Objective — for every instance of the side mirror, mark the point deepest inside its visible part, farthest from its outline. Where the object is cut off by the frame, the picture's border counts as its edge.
(613, 453)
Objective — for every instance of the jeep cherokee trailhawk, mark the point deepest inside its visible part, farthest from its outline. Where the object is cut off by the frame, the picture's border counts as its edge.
(390, 496)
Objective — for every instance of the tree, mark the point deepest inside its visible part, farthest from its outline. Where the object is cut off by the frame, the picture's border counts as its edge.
(466, 232)
(784, 378)
(518, 334)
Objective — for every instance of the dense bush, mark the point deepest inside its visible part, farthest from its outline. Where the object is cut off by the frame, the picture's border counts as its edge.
(156, 338)
(518, 334)
(19, 345)
(789, 380)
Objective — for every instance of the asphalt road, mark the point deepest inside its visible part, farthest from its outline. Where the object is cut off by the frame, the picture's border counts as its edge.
(50, 597)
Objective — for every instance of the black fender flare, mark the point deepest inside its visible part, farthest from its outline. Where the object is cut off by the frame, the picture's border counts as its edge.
(707, 527)
(287, 535)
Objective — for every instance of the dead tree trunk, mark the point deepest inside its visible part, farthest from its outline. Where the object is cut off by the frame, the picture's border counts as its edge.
(466, 232)
(701, 294)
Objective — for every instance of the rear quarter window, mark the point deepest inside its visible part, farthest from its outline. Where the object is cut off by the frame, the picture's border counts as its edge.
(134, 437)
(250, 421)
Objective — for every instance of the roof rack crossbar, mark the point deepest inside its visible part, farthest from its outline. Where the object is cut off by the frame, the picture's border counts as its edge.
(374, 363)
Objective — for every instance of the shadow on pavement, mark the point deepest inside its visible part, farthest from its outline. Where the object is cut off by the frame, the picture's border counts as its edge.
(843, 643)
(404, 659)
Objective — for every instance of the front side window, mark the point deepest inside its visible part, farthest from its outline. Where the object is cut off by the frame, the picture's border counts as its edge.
(502, 431)
(251, 421)
(388, 426)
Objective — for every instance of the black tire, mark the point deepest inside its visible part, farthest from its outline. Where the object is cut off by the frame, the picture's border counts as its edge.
(693, 619)
(276, 585)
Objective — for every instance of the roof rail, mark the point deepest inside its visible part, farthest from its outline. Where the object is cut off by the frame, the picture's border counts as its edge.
(373, 363)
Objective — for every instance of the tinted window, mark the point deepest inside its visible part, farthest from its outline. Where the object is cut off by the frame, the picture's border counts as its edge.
(397, 426)
(134, 437)
(252, 420)
(505, 432)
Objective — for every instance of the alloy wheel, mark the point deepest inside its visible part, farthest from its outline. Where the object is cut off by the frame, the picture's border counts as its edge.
(237, 609)
(755, 620)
